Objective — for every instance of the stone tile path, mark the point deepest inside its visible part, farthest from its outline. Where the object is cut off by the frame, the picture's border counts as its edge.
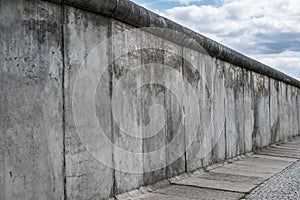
(240, 179)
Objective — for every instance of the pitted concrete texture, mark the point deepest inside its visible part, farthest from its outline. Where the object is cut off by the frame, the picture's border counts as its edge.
(243, 105)
(237, 179)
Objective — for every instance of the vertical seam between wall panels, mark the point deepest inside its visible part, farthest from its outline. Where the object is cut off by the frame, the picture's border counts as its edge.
(63, 98)
(184, 133)
(167, 167)
(270, 121)
(110, 61)
(225, 112)
(244, 115)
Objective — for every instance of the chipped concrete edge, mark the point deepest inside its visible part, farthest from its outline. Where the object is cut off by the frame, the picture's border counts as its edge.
(138, 16)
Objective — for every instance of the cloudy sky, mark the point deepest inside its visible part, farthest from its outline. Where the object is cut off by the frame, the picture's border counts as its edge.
(266, 30)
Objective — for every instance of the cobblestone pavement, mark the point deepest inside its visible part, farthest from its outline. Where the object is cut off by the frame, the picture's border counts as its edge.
(285, 185)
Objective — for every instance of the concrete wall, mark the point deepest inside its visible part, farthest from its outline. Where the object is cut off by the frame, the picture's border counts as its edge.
(31, 101)
(243, 105)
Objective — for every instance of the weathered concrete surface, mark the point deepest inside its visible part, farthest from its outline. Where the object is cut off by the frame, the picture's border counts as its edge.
(274, 111)
(122, 65)
(243, 105)
(86, 177)
(174, 118)
(232, 146)
(190, 65)
(153, 94)
(31, 114)
(248, 110)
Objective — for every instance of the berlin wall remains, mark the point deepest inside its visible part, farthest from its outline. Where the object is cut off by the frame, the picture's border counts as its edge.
(94, 104)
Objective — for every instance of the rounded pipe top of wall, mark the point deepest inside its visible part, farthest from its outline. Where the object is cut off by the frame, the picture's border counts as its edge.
(135, 15)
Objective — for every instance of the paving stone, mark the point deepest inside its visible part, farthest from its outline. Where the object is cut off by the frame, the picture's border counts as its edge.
(231, 177)
(257, 168)
(286, 150)
(282, 154)
(274, 157)
(264, 163)
(218, 184)
(199, 193)
(156, 196)
(243, 172)
(288, 147)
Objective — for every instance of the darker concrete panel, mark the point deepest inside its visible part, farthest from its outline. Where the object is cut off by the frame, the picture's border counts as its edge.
(31, 102)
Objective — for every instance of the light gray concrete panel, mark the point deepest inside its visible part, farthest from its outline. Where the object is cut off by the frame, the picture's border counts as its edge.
(174, 110)
(261, 136)
(218, 111)
(274, 111)
(232, 131)
(289, 129)
(206, 98)
(124, 43)
(87, 177)
(284, 126)
(295, 112)
(248, 110)
(264, 114)
(194, 76)
(239, 109)
(153, 94)
(31, 115)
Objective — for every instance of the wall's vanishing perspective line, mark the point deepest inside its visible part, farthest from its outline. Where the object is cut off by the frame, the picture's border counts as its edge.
(243, 105)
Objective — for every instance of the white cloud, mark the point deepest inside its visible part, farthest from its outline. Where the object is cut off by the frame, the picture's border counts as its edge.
(266, 30)
(186, 2)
